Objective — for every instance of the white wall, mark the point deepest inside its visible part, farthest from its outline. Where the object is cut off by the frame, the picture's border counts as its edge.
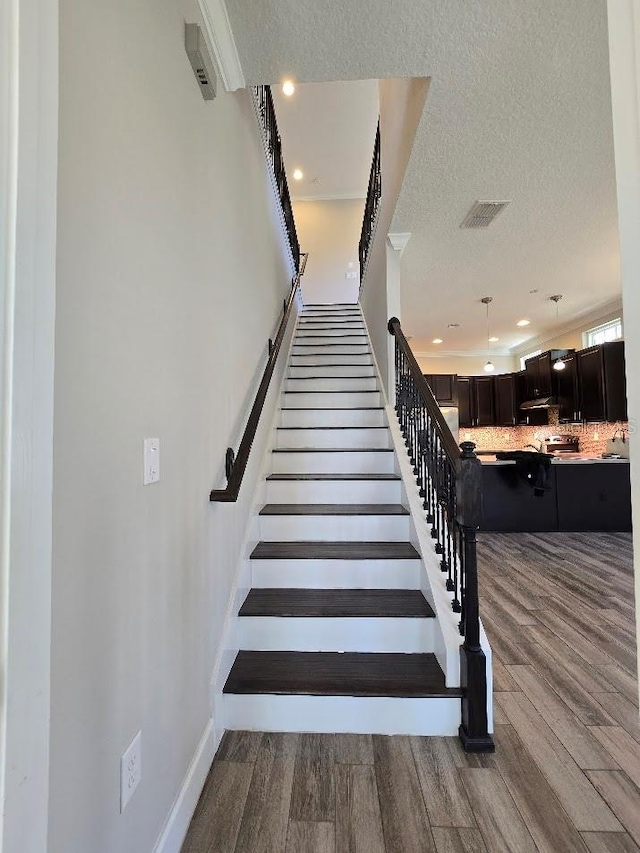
(465, 365)
(330, 232)
(171, 276)
(624, 57)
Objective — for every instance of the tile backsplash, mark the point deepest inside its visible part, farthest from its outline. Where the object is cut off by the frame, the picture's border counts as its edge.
(593, 437)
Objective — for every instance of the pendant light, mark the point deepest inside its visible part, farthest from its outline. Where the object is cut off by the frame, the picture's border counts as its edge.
(559, 364)
(489, 366)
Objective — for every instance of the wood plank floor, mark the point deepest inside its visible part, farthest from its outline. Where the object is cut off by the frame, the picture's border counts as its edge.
(559, 612)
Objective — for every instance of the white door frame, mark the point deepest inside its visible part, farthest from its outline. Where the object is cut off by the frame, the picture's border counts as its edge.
(28, 172)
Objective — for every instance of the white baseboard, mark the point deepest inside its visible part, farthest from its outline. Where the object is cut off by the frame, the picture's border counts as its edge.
(175, 829)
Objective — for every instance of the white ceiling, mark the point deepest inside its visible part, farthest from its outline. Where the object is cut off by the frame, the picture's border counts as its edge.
(328, 131)
(518, 108)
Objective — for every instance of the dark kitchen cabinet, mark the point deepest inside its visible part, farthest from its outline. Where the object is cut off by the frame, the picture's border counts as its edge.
(506, 403)
(532, 417)
(595, 496)
(540, 373)
(484, 401)
(465, 406)
(602, 385)
(476, 406)
(568, 390)
(444, 387)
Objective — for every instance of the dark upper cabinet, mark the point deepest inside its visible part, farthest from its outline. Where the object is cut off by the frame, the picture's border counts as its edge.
(540, 373)
(531, 417)
(568, 390)
(465, 404)
(484, 401)
(505, 397)
(444, 387)
(476, 406)
(602, 386)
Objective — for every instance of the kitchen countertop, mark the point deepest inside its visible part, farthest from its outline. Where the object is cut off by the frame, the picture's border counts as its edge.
(489, 458)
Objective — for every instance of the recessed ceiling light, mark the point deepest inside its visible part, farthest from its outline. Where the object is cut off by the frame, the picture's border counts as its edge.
(437, 340)
(523, 322)
(288, 88)
(494, 340)
(297, 175)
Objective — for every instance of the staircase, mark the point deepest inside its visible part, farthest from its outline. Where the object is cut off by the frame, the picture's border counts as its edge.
(335, 634)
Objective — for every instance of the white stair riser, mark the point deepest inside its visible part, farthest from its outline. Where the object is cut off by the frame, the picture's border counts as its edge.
(323, 311)
(316, 350)
(333, 383)
(334, 528)
(297, 372)
(311, 359)
(336, 574)
(319, 330)
(308, 417)
(349, 714)
(344, 437)
(311, 400)
(336, 634)
(338, 325)
(328, 462)
(333, 491)
(326, 340)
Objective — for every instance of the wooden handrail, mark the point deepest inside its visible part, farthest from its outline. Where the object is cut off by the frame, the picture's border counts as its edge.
(236, 464)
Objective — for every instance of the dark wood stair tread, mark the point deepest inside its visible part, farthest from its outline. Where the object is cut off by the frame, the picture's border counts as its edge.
(331, 409)
(317, 550)
(334, 509)
(359, 376)
(340, 477)
(337, 391)
(332, 450)
(377, 426)
(338, 674)
(343, 603)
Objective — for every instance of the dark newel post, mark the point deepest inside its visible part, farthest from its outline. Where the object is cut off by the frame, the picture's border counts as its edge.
(473, 732)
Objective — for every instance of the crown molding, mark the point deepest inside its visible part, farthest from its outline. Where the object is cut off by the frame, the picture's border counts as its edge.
(220, 34)
(467, 353)
(357, 196)
(399, 240)
(579, 323)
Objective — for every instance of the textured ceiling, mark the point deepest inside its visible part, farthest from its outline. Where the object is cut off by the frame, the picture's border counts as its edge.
(327, 131)
(518, 108)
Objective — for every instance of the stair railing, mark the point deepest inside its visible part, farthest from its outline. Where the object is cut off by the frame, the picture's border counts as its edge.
(374, 194)
(450, 483)
(267, 113)
(236, 464)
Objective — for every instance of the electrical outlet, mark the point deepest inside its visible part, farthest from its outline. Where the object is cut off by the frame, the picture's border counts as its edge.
(151, 461)
(130, 770)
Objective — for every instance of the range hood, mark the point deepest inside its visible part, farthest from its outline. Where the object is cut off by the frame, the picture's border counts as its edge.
(539, 403)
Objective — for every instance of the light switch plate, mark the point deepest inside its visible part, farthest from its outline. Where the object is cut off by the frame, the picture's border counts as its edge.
(130, 770)
(151, 455)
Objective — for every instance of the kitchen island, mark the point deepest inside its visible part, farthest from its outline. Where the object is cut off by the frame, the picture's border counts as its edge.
(586, 494)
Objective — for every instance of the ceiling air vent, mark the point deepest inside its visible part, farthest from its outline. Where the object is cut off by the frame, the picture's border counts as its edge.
(483, 213)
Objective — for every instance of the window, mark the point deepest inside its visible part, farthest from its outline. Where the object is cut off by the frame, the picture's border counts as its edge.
(611, 331)
(523, 358)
